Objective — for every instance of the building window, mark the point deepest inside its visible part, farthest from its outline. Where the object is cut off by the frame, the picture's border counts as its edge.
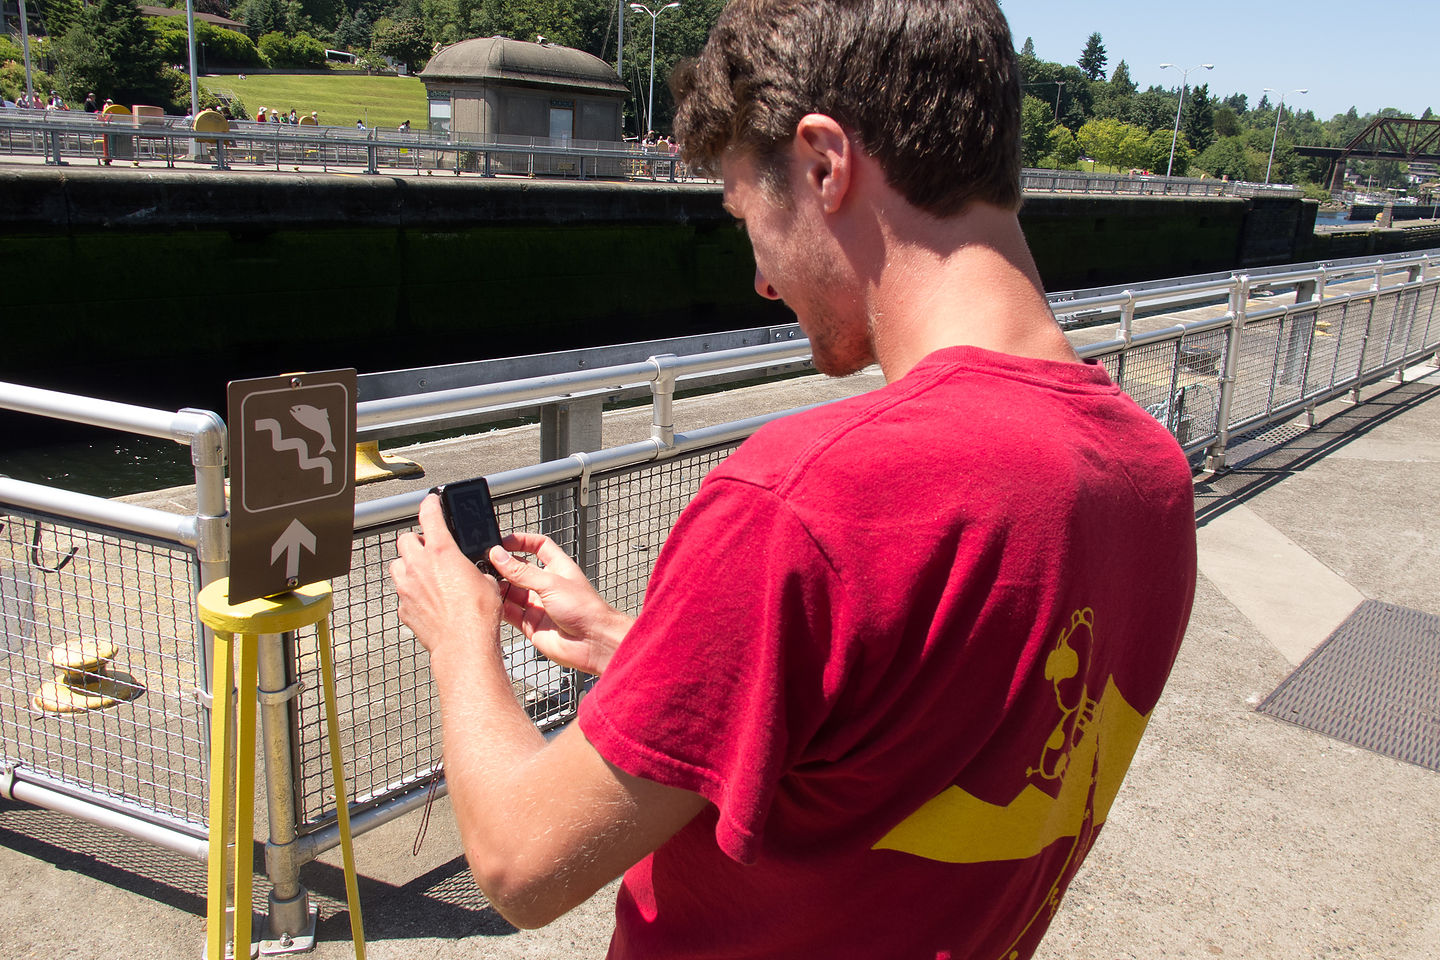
(562, 123)
(439, 116)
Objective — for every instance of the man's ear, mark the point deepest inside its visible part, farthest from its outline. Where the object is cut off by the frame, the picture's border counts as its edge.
(826, 157)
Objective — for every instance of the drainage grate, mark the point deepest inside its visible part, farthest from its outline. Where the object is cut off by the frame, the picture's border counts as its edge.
(1375, 682)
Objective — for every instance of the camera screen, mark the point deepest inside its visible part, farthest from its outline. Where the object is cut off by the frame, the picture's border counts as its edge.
(472, 522)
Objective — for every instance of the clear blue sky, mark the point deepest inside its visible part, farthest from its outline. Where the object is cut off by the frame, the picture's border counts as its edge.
(1367, 55)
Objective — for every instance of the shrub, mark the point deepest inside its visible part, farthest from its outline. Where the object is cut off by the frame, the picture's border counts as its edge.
(301, 50)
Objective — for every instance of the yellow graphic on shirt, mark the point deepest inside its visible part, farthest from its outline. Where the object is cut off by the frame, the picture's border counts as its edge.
(1087, 754)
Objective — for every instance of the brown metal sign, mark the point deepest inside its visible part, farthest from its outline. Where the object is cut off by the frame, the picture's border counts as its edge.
(292, 487)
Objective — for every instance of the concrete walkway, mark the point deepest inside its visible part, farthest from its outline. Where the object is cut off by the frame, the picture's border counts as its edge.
(1236, 835)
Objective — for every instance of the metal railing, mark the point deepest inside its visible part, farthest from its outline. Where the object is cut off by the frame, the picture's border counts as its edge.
(1211, 358)
(64, 136)
(60, 136)
(1034, 180)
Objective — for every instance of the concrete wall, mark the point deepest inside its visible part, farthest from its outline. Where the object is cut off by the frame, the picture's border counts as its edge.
(161, 286)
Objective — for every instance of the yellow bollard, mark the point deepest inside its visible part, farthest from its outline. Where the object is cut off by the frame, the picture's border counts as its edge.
(234, 789)
(372, 465)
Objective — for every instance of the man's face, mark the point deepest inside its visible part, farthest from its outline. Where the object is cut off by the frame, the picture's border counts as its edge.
(798, 260)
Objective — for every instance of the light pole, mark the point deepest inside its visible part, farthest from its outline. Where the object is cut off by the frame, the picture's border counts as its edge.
(1184, 76)
(1279, 109)
(654, 18)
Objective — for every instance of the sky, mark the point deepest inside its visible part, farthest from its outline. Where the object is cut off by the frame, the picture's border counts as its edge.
(1366, 55)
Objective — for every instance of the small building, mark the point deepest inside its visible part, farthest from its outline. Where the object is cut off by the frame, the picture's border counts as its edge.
(494, 87)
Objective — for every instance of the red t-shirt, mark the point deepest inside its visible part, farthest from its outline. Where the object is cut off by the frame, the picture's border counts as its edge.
(906, 645)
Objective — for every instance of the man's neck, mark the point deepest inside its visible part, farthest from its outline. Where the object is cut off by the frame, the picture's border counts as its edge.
(967, 280)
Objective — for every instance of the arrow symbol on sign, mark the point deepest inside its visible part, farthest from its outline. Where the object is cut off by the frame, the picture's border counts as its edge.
(296, 535)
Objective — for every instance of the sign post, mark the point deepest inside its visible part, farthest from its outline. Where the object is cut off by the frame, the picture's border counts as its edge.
(292, 481)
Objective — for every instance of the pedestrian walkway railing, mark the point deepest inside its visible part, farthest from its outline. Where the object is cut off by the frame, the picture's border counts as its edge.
(119, 735)
(63, 137)
(1035, 180)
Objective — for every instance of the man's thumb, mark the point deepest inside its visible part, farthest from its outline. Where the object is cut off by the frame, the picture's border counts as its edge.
(505, 564)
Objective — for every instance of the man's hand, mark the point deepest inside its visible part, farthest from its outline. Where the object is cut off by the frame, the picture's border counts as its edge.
(444, 597)
(555, 606)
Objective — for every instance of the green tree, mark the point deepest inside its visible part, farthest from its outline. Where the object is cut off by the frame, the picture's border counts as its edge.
(1232, 157)
(1198, 121)
(1036, 140)
(1092, 60)
(111, 52)
(1120, 83)
(1113, 142)
(1227, 124)
(55, 16)
(403, 40)
(1066, 148)
(1154, 109)
(1156, 153)
(1028, 50)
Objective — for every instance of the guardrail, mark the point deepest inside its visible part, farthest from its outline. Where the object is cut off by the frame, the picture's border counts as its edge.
(74, 566)
(58, 135)
(1034, 180)
(63, 136)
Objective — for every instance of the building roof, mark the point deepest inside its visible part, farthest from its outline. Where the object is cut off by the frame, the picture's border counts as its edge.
(207, 17)
(500, 58)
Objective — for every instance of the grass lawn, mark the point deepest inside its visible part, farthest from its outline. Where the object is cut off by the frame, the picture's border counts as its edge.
(339, 100)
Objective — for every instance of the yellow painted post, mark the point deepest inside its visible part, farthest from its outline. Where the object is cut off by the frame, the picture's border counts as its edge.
(305, 606)
(342, 805)
(221, 793)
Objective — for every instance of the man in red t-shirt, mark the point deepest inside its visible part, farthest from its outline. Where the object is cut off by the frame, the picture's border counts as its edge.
(896, 656)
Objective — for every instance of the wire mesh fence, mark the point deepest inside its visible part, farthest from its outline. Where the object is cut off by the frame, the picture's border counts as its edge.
(100, 677)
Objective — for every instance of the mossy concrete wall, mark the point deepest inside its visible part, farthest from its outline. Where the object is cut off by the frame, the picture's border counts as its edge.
(161, 286)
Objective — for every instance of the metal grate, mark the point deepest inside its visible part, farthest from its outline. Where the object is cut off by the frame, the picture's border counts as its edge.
(632, 513)
(1371, 683)
(61, 582)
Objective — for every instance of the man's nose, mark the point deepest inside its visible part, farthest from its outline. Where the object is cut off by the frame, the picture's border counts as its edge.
(762, 286)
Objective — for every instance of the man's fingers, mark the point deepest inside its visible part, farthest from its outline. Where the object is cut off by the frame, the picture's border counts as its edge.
(432, 520)
(518, 572)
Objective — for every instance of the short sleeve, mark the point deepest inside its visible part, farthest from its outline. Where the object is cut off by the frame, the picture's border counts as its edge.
(718, 686)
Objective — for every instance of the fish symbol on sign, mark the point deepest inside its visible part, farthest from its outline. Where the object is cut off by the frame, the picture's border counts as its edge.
(316, 419)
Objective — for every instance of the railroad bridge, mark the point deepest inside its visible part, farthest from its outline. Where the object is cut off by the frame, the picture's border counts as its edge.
(1386, 138)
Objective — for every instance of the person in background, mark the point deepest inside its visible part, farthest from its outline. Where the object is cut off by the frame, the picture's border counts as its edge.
(90, 105)
(891, 664)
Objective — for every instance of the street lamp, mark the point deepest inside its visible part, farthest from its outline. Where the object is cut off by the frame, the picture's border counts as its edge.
(1280, 108)
(1184, 76)
(654, 18)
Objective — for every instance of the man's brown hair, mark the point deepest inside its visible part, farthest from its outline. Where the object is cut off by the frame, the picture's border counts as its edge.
(929, 88)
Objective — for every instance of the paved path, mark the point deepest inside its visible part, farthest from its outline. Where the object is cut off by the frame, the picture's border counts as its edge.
(1236, 835)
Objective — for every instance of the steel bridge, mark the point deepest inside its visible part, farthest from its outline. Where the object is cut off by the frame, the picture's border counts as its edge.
(1385, 138)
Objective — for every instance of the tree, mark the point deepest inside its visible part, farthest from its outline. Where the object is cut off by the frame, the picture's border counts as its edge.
(1120, 83)
(1232, 158)
(1157, 149)
(1035, 131)
(1154, 109)
(1113, 143)
(1198, 122)
(1092, 60)
(1066, 147)
(111, 52)
(1028, 50)
(1227, 124)
(402, 40)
